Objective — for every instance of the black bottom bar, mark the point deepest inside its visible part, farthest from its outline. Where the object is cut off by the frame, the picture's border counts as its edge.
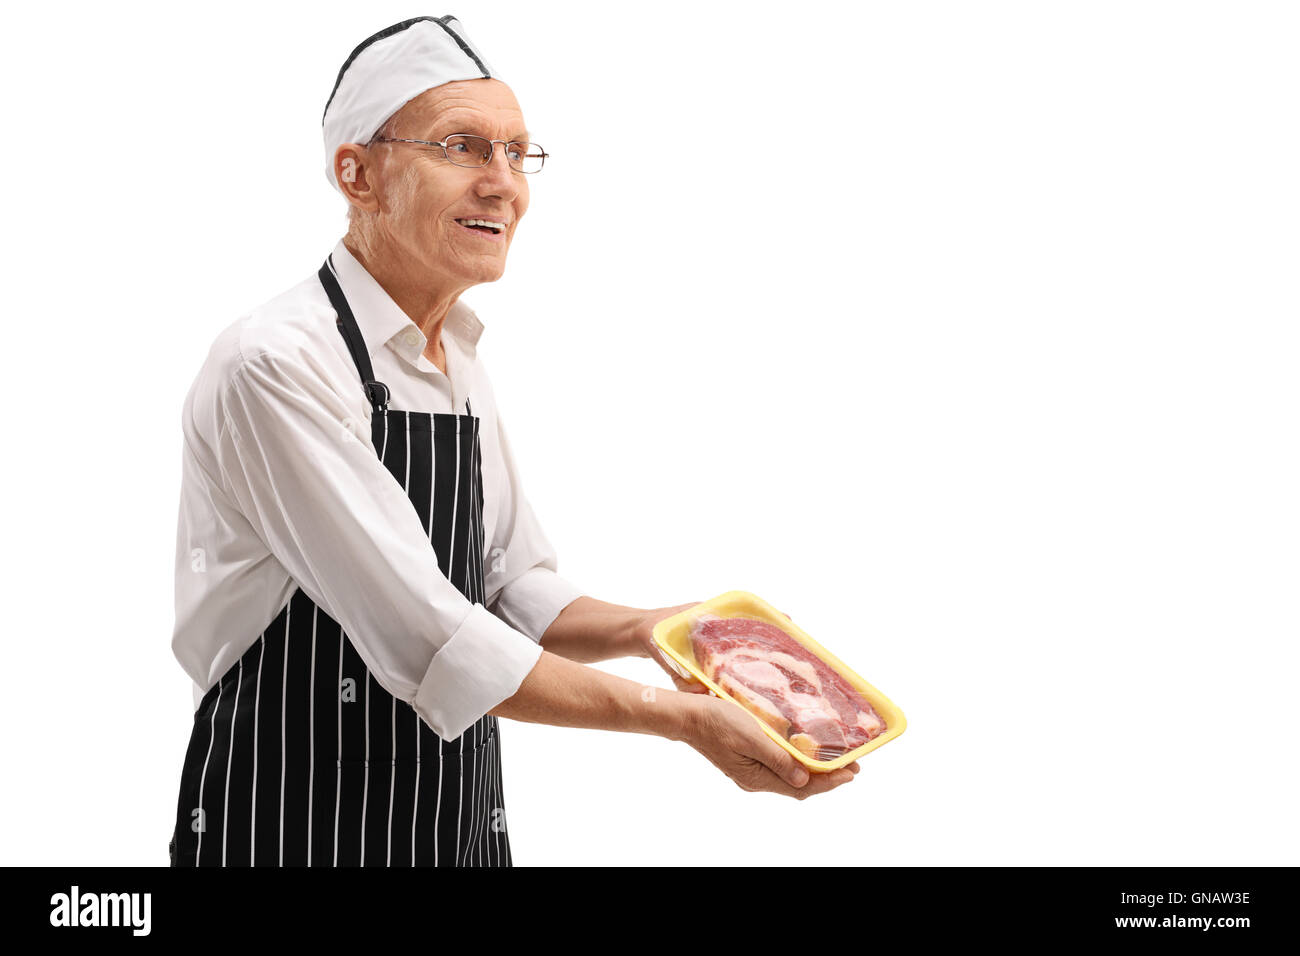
(1171, 905)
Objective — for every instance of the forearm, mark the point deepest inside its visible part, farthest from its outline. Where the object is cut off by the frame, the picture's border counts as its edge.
(568, 694)
(588, 630)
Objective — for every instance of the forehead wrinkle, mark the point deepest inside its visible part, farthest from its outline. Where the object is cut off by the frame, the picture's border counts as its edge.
(473, 117)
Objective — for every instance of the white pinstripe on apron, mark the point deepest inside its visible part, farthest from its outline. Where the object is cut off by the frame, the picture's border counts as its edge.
(298, 757)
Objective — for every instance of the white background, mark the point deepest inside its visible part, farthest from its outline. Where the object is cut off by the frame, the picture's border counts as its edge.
(993, 389)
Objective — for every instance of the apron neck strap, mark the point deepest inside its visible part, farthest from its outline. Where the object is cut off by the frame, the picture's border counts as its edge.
(376, 391)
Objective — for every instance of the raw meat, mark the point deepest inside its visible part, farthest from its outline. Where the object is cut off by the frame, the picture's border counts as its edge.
(784, 684)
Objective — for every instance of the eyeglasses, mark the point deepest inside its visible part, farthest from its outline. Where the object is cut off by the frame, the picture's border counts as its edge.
(465, 149)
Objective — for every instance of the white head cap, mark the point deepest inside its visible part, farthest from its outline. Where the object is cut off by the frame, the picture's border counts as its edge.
(391, 68)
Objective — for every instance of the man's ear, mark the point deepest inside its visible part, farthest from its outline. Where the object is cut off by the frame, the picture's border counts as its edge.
(352, 171)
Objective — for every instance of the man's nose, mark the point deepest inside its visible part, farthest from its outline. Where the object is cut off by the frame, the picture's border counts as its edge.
(498, 175)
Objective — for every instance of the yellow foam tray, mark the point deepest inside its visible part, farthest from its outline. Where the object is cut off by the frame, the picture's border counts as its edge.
(672, 634)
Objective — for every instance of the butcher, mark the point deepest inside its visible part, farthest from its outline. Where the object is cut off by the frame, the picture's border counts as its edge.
(362, 589)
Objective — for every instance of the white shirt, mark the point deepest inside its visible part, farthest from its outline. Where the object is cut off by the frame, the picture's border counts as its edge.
(274, 496)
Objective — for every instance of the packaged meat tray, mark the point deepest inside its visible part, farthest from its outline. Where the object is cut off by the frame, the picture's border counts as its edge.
(803, 696)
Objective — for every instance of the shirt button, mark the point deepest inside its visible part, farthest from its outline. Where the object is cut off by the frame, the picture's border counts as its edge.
(413, 337)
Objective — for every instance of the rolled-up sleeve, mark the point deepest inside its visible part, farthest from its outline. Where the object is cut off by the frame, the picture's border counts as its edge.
(296, 458)
(522, 580)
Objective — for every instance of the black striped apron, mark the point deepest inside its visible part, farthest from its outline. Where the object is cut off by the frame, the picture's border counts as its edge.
(298, 757)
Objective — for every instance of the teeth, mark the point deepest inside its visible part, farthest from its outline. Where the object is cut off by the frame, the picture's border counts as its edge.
(497, 226)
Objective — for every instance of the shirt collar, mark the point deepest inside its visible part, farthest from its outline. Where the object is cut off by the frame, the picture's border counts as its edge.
(382, 321)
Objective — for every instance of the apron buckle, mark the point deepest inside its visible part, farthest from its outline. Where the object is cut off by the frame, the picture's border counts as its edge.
(374, 391)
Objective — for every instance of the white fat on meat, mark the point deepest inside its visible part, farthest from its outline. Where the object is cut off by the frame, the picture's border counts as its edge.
(870, 723)
(796, 666)
(757, 704)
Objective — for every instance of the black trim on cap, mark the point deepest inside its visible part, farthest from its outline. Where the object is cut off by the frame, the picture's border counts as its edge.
(398, 28)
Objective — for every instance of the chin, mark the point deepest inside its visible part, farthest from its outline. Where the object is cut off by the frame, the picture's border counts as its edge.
(491, 274)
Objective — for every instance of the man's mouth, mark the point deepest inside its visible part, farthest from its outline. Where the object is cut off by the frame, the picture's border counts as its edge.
(484, 225)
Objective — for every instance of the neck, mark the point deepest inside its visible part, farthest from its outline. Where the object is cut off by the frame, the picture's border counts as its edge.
(416, 292)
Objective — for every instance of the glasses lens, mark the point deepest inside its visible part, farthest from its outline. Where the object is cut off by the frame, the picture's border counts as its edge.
(526, 157)
(466, 150)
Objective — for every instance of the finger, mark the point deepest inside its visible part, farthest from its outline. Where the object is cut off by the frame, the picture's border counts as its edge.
(689, 682)
(765, 779)
(825, 782)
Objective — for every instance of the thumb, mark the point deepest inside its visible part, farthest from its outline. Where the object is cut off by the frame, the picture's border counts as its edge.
(777, 759)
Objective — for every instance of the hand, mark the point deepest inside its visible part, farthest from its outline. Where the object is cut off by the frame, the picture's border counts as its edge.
(734, 743)
(646, 646)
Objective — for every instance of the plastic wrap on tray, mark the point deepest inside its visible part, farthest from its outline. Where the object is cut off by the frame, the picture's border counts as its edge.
(774, 676)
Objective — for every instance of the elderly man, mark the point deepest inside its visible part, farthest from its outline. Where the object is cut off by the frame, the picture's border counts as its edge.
(362, 588)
